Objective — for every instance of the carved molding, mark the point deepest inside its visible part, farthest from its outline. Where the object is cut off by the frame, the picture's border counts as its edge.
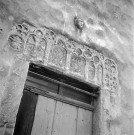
(55, 50)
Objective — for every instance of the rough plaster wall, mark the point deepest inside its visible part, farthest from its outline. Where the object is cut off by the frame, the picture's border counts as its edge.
(109, 24)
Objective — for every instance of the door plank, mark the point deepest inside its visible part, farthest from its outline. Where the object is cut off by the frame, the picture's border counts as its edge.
(43, 116)
(25, 116)
(84, 122)
(65, 119)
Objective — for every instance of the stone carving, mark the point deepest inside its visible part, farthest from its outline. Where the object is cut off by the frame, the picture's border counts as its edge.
(96, 59)
(50, 36)
(40, 46)
(91, 71)
(79, 23)
(30, 45)
(22, 30)
(64, 52)
(16, 42)
(110, 74)
(77, 64)
(36, 45)
(88, 53)
(40, 49)
(70, 45)
(58, 55)
(99, 74)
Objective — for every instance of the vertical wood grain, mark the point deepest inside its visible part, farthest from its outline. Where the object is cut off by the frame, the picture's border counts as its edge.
(65, 119)
(43, 116)
(84, 122)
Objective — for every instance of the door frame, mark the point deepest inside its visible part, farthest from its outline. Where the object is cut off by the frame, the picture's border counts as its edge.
(45, 74)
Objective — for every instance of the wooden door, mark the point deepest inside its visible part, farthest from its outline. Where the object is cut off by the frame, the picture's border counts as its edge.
(49, 108)
(57, 118)
(51, 117)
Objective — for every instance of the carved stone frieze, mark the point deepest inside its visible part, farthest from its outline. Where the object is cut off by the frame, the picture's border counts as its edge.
(40, 44)
(16, 42)
(91, 71)
(58, 54)
(30, 45)
(77, 64)
(99, 74)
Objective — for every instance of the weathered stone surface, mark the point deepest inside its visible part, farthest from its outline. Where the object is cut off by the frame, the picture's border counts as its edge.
(91, 72)
(57, 56)
(99, 74)
(110, 27)
(13, 92)
(101, 70)
(79, 23)
(44, 44)
(16, 42)
(77, 64)
(60, 50)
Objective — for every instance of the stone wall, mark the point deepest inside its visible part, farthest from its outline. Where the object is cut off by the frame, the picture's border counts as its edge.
(89, 40)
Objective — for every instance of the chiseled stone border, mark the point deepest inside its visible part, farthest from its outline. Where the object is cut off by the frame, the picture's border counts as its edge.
(44, 46)
(55, 50)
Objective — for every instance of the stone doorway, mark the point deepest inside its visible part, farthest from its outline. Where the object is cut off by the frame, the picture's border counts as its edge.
(51, 105)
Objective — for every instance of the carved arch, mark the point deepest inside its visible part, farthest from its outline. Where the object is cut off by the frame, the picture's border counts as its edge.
(77, 64)
(35, 41)
(58, 55)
